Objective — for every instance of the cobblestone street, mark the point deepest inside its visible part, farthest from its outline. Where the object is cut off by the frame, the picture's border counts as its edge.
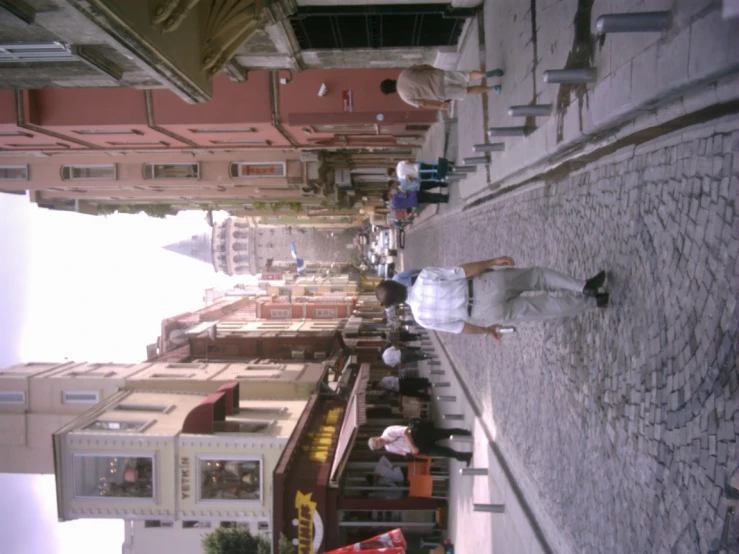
(626, 419)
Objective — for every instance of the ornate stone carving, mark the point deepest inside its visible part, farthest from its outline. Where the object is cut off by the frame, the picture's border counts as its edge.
(227, 24)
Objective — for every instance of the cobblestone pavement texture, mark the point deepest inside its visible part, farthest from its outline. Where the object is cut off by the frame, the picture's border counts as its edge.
(625, 419)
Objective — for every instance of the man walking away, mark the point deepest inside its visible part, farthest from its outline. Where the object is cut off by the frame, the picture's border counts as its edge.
(475, 299)
(400, 439)
(416, 387)
(395, 355)
(424, 86)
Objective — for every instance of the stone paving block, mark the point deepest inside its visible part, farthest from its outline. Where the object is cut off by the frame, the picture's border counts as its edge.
(627, 404)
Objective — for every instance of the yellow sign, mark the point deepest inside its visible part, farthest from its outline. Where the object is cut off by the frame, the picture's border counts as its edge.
(309, 524)
(322, 439)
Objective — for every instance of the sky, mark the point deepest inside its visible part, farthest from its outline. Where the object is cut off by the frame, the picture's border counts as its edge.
(84, 288)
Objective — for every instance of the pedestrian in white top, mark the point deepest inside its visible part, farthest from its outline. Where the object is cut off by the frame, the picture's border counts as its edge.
(424, 86)
(402, 440)
(416, 387)
(475, 299)
(394, 355)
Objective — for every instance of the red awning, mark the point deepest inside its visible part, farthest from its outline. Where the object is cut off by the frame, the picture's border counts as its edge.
(355, 415)
(200, 419)
(232, 397)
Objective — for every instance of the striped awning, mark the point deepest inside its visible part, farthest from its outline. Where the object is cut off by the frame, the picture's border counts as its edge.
(354, 416)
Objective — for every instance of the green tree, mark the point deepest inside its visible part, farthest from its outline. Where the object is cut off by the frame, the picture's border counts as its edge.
(286, 547)
(234, 540)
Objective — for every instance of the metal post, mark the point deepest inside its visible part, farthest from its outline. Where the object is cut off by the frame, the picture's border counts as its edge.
(508, 131)
(638, 22)
(493, 508)
(434, 363)
(492, 147)
(482, 471)
(437, 372)
(465, 169)
(531, 110)
(440, 385)
(446, 398)
(571, 76)
(453, 417)
(476, 160)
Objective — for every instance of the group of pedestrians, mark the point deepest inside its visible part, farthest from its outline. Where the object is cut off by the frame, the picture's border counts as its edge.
(473, 298)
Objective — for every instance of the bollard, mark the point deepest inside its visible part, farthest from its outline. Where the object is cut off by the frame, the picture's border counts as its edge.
(482, 471)
(454, 417)
(493, 508)
(570, 76)
(637, 22)
(437, 372)
(446, 398)
(476, 160)
(492, 147)
(531, 110)
(434, 363)
(441, 385)
(508, 131)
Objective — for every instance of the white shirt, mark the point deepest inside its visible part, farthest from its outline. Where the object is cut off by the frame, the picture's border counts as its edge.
(391, 356)
(388, 472)
(397, 443)
(439, 299)
(406, 169)
(390, 382)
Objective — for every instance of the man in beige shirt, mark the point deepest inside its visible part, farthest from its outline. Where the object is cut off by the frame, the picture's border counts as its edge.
(425, 86)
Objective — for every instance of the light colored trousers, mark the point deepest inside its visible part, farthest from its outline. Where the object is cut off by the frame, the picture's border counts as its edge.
(497, 296)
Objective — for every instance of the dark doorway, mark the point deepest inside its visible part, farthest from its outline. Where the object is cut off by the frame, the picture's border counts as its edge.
(380, 26)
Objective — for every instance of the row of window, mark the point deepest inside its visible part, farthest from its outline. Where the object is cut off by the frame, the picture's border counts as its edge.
(187, 524)
(121, 476)
(149, 171)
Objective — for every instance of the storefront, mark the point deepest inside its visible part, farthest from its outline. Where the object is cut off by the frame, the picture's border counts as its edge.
(305, 503)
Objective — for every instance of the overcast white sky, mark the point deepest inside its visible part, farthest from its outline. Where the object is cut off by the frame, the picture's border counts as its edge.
(84, 288)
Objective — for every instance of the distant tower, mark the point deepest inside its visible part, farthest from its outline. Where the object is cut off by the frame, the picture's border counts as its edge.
(196, 247)
(232, 246)
(242, 248)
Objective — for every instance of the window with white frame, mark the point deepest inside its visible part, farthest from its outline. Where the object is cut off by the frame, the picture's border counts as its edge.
(13, 172)
(240, 141)
(196, 524)
(35, 52)
(116, 476)
(224, 130)
(120, 425)
(80, 397)
(275, 313)
(12, 397)
(171, 171)
(154, 408)
(108, 132)
(108, 172)
(91, 374)
(326, 313)
(230, 479)
(257, 169)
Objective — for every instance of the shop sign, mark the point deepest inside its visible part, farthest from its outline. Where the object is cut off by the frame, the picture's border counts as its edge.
(347, 99)
(185, 478)
(309, 524)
